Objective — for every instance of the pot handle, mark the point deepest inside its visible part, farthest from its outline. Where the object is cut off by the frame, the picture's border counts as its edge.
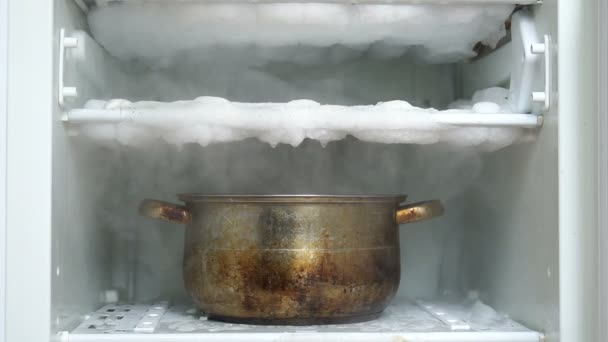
(165, 211)
(419, 211)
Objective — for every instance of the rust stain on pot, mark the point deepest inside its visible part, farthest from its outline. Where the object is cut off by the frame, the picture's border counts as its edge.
(165, 211)
(176, 215)
(291, 262)
(291, 265)
(317, 284)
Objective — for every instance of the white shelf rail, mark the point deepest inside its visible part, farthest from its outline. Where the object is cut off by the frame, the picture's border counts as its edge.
(91, 3)
(83, 116)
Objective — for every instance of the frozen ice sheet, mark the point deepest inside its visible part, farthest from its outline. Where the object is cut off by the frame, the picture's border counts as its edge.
(155, 30)
(208, 120)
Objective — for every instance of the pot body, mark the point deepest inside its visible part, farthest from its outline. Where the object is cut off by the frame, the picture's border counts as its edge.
(290, 259)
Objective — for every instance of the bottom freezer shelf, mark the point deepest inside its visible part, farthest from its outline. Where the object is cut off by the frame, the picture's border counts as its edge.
(401, 321)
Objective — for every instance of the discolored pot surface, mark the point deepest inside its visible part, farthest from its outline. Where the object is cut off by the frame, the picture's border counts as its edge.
(291, 259)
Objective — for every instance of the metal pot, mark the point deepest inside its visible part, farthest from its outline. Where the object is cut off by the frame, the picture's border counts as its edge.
(291, 259)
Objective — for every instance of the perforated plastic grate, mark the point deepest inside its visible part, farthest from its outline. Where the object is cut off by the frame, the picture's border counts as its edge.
(428, 321)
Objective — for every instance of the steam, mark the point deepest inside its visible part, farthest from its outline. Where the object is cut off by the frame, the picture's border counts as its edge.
(129, 174)
(164, 67)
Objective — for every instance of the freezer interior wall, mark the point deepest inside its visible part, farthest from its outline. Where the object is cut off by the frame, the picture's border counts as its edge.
(511, 219)
(496, 211)
(80, 245)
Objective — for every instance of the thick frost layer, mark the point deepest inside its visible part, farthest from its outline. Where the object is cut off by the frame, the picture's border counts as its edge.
(153, 30)
(208, 120)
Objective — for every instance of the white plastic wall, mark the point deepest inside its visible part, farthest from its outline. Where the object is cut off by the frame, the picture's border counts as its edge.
(79, 249)
(512, 217)
(3, 83)
(602, 89)
(82, 248)
(578, 169)
(28, 172)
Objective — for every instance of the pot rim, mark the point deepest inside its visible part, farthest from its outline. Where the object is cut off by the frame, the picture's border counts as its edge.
(292, 198)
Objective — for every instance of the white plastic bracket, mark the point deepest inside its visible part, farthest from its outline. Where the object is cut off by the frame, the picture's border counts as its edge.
(544, 49)
(64, 44)
(526, 65)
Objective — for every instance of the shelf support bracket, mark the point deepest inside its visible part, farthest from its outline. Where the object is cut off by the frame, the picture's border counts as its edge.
(64, 92)
(544, 48)
(526, 66)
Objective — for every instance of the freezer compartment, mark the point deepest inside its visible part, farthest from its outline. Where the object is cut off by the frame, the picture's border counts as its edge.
(487, 239)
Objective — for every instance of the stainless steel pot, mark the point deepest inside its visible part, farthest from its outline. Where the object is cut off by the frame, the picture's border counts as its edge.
(291, 259)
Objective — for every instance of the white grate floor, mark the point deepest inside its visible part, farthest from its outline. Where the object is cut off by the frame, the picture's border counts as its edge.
(401, 321)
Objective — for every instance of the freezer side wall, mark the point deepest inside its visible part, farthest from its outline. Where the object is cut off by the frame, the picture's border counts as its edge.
(29, 158)
(578, 168)
(3, 90)
(513, 227)
(602, 90)
(82, 249)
